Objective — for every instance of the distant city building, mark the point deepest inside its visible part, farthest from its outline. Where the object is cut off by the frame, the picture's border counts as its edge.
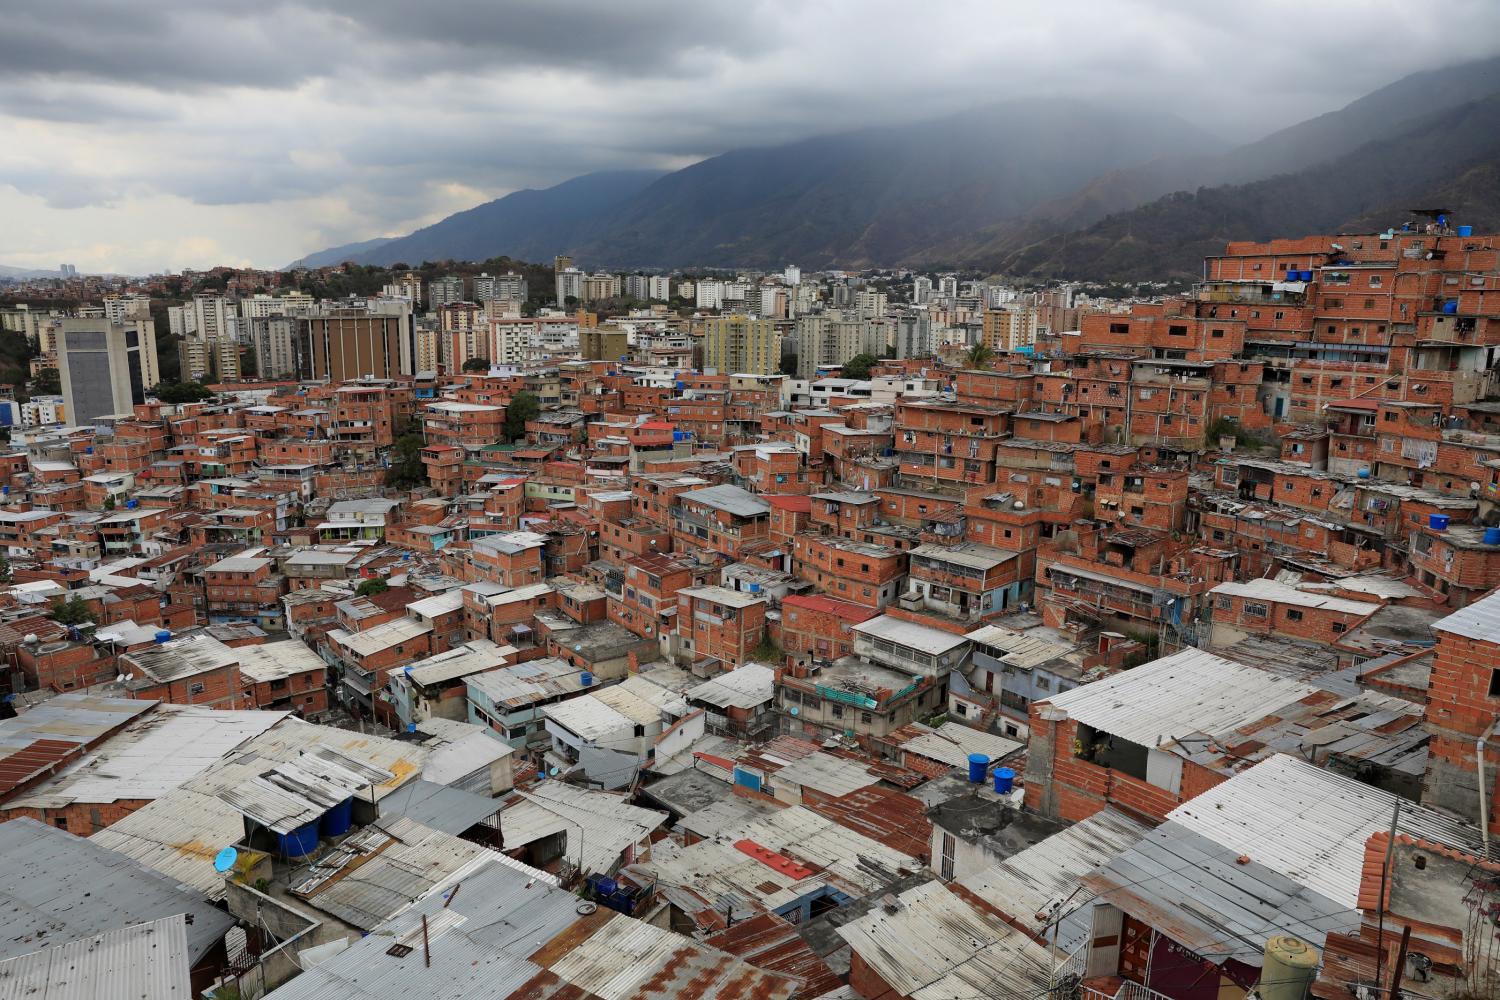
(659, 288)
(346, 342)
(105, 368)
(914, 335)
(444, 291)
(1009, 327)
(792, 275)
(273, 340)
(710, 295)
(740, 345)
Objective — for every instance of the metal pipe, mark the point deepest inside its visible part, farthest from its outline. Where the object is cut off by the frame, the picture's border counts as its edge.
(1484, 812)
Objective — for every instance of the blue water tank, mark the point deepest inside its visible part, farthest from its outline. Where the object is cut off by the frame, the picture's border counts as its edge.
(586, 679)
(755, 588)
(300, 842)
(1363, 473)
(132, 504)
(405, 556)
(1466, 230)
(337, 821)
(1437, 522)
(1450, 306)
(1005, 779)
(1492, 536)
(4, 491)
(89, 450)
(163, 636)
(978, 764)
(681, 385)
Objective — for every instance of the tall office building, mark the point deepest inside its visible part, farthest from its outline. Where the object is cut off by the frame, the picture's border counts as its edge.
(914, 335)
(739, 345)
(349, 341)
(659, 288)
(105, 368)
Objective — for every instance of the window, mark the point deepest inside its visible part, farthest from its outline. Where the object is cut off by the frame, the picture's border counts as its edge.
(195, 689)
(865, 717)
(1223, 602)
(1495, 683)
(1255, 610)
(1293, 615)
(837, 711)
(640, 730)
(1339, 627)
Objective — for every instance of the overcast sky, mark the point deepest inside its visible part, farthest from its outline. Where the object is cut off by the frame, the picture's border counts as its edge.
(185, 133)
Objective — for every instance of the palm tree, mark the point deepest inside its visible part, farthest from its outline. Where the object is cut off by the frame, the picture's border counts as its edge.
(979, 356)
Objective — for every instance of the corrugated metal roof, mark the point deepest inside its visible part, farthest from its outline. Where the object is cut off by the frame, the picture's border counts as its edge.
(825, 773)
(1045, 874)
(144, 961)
(924, 638)
(473, 657)
(383, 636)
(1262, 589)
(730, 499)
(527, 683)
(1178, 695)
(1197, 893)
(180, 833)
(1480, 620)
(1310, 824)
(185, 656)
(291, 794)
(438, 807)
(59, 887)
(604, 822)
(931, 944)
(744, 687)
(276, 660)
(951, 744)
(151, 756)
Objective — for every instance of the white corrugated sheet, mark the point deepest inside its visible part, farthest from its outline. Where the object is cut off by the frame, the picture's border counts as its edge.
(1310, 824)
(599, 825)
(1187, 692)
(1480, 620)
(931, 944)
(745, 687)
(951, 744)
(1262, 589)
(144, 960)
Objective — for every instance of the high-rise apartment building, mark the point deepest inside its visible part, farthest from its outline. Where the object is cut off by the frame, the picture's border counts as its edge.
(636, 286)
(428, 354)
(105, 368)
(600, 286)
(409, 284)
(792, 275)
(273, 339)
(123, 308)
(445, 290)
(605, 342)
(507, 287)
(1009, 327)
(659, 288)
(569, 285)
(213, 317)
(710, 295)
(346, 342)
(739, 345)
(921, 290)
(914, 335)
(209, 361)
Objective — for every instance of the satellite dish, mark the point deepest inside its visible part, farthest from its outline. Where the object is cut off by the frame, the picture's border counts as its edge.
(554, 772)
(122, 678)
(225, 859)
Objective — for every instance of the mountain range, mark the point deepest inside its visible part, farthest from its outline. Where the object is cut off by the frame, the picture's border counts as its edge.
(1039, 189)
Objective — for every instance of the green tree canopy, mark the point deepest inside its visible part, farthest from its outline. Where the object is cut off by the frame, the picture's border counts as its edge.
(182, 392)
(522, 408)
(406, 469)
(858, 367)
(979, 356)
(73, 611)
(372, 587)
(477, 365)
(48, 382)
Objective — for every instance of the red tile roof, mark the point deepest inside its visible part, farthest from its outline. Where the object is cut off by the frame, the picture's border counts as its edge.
(830, 605)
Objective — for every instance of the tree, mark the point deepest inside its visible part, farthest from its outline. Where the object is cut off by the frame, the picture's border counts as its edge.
(789, 364)
(182, 392)
(522, 408)
(406, 468)
(48, 382)
(979, 356)
(73, 611)
(477, 365)
(371, 587)
(249, 363)
(858, 367)
(7, 573)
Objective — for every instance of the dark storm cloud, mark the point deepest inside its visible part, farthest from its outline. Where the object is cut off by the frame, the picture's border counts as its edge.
(293, 122)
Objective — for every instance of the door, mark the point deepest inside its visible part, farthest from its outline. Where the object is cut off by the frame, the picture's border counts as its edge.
(1104, 941)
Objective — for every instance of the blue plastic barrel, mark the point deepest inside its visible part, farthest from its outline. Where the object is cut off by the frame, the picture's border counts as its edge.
(586, 679)
(978, 764)
(1450, 305)
(1364, 473)
(163, 636)
(301, 841)
(1437, 522)
(1492, 536)
(1005, 779)
(337, 821)
(1466, 230)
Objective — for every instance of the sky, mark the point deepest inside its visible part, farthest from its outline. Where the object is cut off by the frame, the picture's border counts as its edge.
(151, 136)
